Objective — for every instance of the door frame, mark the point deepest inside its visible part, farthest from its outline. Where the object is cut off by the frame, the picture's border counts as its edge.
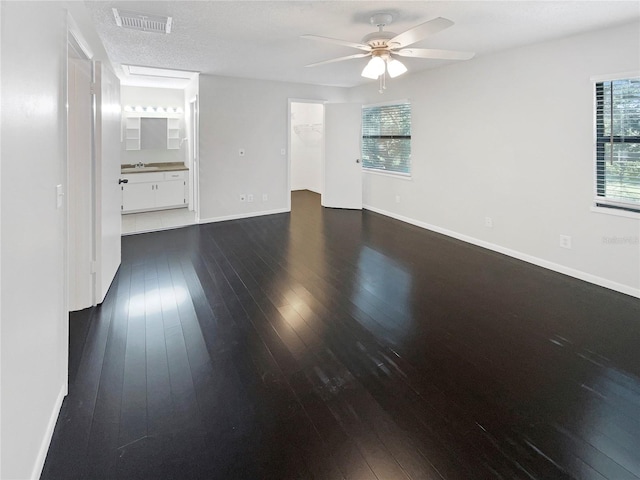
(75, 42)
(289, 102)
(193, 152)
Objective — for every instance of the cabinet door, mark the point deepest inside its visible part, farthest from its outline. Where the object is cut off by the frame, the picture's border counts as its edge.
(138, 196)
(170, 193)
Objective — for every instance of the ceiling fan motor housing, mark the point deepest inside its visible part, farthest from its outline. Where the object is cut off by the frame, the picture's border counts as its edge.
(378, 39)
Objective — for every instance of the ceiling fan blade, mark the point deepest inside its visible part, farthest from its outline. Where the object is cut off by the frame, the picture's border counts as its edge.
(434, 53)
(419, 32)
(339, 59)
(344, 43)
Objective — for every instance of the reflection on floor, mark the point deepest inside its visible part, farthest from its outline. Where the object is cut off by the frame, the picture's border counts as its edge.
(160, 220)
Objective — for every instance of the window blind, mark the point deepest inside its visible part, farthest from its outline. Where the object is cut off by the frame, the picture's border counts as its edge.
(386, 138)
(618, 144)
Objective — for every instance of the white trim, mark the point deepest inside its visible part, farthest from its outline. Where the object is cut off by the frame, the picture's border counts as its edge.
(48, 434)
(594, 146)
(614, 76)
(74, 31)
(386, 103)
(603, 205)
(0, 249)
(243, 215)
(384, 173)
(616, 212)
(587, 277)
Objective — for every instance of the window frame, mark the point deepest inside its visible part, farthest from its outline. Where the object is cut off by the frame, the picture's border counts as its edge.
(602, 204)
(378, 171)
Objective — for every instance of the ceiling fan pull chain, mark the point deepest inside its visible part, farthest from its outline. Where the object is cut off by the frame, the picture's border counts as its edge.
(383, 82)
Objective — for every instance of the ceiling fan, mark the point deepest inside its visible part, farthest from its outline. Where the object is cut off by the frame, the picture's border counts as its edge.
(382, 46)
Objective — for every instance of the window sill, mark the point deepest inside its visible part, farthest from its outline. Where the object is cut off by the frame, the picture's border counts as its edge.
(383, 173)
(615, 212)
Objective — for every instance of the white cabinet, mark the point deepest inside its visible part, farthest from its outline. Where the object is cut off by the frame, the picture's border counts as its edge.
(154, 191)
(138, 196)
(170, 193)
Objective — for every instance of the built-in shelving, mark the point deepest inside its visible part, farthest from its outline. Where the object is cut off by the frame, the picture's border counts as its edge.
(132, 133)
(173, 133)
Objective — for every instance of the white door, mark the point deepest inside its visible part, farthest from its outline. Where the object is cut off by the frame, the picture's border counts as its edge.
(342, 163)
(107, 122)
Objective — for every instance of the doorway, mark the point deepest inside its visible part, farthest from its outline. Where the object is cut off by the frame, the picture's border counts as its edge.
(306, 145)
(160, 182)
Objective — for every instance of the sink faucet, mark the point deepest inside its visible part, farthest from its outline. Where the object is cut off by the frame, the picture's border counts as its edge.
(139, 165)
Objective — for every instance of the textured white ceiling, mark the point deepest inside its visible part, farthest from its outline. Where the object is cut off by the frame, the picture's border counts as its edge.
(261, 39)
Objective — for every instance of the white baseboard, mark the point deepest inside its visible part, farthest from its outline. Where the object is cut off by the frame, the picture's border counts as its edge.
(48, 434)
(556, 267)
(243, 215)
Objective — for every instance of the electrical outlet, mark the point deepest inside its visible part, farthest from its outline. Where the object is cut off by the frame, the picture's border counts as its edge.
(243, 197)
(250, 198)
(565, 241)
(397, 198)
(265, 197)
(488, 222)
(241, 152)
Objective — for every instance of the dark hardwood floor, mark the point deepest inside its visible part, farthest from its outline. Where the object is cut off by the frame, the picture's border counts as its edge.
(328, 344)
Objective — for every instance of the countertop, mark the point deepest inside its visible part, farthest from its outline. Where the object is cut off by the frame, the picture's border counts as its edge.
(154, 167)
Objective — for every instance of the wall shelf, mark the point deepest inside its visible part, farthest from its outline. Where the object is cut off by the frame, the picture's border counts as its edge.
(173, 133)
(132, 133)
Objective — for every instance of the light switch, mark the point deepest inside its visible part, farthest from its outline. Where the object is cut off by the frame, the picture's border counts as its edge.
(59, 196)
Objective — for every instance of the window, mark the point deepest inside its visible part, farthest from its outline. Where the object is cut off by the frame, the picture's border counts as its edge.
(618, 144)
(386, 138)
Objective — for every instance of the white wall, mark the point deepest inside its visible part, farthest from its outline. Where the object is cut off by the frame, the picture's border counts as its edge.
(33, 362)
(307, 137)
(34, 328)
(251, 114)
(510, 136)
(154, 96)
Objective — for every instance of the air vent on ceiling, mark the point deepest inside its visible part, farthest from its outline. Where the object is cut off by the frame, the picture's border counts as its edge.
(142, 21)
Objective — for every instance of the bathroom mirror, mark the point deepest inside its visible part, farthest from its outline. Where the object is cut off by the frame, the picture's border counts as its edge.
(153, 133)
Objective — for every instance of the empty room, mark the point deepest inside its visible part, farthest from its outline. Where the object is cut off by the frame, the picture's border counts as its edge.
(320, 240)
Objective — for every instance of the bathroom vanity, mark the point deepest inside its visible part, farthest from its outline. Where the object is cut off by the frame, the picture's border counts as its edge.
(156, 186)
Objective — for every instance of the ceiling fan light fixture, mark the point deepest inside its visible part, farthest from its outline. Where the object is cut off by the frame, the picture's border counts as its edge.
(395, 67)
(374, 68)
